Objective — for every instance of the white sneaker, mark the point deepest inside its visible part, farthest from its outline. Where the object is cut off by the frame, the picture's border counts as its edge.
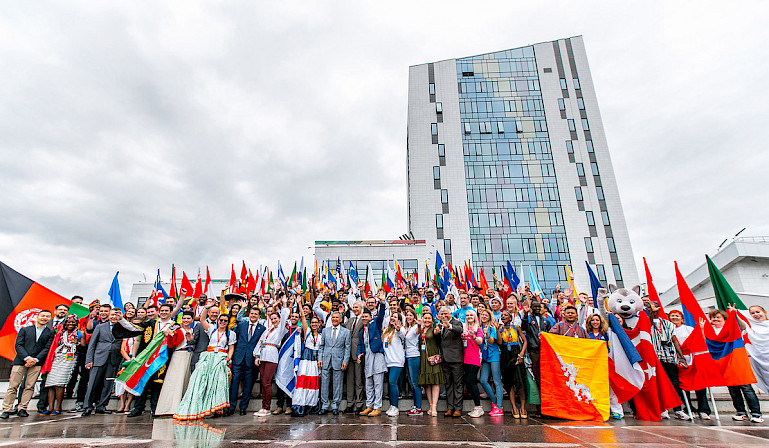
(756, 419)
(393, 411)
(739, 417)
(476, 412)
(665, 415)
(681, 415)
(704, 416)
(262, 413)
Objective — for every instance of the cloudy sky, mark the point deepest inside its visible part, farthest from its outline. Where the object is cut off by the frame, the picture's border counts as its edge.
(134, 135)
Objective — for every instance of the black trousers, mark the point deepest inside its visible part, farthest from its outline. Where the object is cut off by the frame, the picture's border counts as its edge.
(151, 391)
(671, 370)
(100, 384)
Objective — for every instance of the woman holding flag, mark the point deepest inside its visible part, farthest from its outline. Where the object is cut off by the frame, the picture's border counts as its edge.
(208, 389)
(307, 389)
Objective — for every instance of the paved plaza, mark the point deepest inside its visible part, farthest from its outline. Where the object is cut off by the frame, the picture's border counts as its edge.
(71, 430)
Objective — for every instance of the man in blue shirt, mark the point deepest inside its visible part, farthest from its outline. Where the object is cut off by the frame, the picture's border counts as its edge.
(464, 306)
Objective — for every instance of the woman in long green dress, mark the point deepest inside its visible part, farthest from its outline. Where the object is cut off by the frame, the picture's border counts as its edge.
(430, 374)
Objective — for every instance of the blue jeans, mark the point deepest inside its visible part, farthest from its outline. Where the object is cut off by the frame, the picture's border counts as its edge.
(496, 376)
(413, 365)
(395, 373)
(737, 393)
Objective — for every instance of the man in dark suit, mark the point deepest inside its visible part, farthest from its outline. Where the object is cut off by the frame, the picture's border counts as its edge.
(102, 359)
(453, 360)
(248, 333)
(354, 323)
(32, 345)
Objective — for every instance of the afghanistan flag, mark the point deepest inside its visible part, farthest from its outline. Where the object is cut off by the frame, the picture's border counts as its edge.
(20, 301)
(146, 363)
(575, 378)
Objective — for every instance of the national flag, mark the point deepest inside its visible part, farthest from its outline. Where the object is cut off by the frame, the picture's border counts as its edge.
(689, 305)
(595, 284)
(251, 285)
(482, 283)
(302, 273)
(146, 363)
(725, 295)
(243, 273)
(390, 277)
(340, 275)
(572, 283)
(281, 275)
(399, 279)
(209, 290)
(198, 286)
(233, 285)
(186, 285)
(353, 278)
(652, 291)
(534, 285)
(658, 393)
(173, 294)
(21, 299)
(370, 283)
(728, 351)
(288, 359)
(513, 277)
(626, 376)
(304, 280)
(293, 278)
(158, 296)
(114, 293)
(574, 375)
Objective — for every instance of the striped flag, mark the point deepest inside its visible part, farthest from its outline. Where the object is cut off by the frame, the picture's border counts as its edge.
(141, 368)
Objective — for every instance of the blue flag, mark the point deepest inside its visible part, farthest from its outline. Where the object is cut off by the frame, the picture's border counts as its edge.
(594, 284)
(114, 293)
(353, 274)
(512, 277)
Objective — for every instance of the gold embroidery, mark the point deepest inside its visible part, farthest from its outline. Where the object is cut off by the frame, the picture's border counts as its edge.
(147, 334)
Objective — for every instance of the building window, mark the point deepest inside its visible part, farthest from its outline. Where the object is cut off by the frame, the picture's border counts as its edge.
(444, 196)
(447, 247)
(617, 273)
(589, 144)
(569, 147)
(572, 126)
(518, 126)
(432, 89)
(599, 193)
(500, 127)
(485, 127)
(434, 128)
(468, 128)
(563, 84)
(585, 125)
(605, 218)
(589, 244)
(580, 170)
(581, 104)
(441, 150)
(436, 173)
(439, 221)
(576, 83)
(610, 243)
(578, 193)
(590, 218)
(594, 168)
(561, 104)
(601, 272)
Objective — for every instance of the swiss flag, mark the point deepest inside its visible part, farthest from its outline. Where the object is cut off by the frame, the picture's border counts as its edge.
(657, 394)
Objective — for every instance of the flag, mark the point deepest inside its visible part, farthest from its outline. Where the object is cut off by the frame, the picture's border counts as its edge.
(288, 357)
(370, 283)
(198, 286)
(304, 280)
(243, 273)
(572, 283)
(626, 376)
(251, 285)
(114, 293)
(210, 293)
(281, 275)
(482, 283)
(293, 277)
(689, 305)
(353, 278)
(158, 296)
(302, 273)
(657, 393)
(146, 363)
(233, 285)
(533, 283)
(186, 285)
(725, 295)
(20, 301)
(595, 284)
(173, 281)
(513, 277)
(652, 291)
(728, 350)
(575, 378)
(390, 277)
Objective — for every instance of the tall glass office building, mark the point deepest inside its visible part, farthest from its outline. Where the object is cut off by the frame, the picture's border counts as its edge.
(507, 160)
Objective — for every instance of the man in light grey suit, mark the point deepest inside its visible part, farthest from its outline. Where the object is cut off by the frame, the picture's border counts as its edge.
(333, 355)
(102, 359)
(355, 383)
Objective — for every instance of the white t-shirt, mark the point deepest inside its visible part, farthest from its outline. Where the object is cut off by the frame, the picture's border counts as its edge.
(412, 342)
(395, 355)
(218, 338)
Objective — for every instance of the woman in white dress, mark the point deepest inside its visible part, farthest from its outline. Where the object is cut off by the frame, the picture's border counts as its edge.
(208, 391)
(307, 388)
(758, 349)
(61, 361)
(178, 373)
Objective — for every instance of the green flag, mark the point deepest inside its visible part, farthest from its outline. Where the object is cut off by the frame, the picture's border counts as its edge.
(304, 279)
(78, 310)
(725, 295)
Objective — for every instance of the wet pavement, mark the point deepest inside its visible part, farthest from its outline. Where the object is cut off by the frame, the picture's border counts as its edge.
(71, 430)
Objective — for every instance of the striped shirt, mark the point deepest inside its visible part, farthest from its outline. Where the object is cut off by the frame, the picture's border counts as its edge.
(662, 335)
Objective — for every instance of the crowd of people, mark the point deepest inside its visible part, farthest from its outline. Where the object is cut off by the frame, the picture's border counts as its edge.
(316, 348)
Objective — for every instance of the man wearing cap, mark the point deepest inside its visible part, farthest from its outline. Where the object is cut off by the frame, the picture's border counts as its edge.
(569, 325)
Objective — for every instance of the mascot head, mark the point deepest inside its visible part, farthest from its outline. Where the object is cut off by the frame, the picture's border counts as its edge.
(625, 302)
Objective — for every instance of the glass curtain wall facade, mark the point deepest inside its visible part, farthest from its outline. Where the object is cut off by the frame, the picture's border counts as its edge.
(512, 191)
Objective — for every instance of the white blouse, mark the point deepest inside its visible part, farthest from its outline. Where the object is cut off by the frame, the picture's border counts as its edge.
(412, 342)
(269, 343)
(218, 338)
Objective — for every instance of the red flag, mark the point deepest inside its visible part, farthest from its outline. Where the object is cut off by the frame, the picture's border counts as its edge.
(688, 301)
(186, 285)
(653, 296)
(702, 372)
(251, 283)
(20, 301)
(173, 294)
(657, 394)
(243, 273)
(198, 286)
(208, 282)
(233, 286)
(728, 350)
(484, 285)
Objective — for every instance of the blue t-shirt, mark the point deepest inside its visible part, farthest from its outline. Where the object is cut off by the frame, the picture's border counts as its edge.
(490, 352)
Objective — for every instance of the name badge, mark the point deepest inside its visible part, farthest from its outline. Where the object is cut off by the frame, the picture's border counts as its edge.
(386, 344)
(464, 344)
(424, 347)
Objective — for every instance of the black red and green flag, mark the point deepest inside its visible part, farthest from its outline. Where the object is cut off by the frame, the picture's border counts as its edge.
(20, 301)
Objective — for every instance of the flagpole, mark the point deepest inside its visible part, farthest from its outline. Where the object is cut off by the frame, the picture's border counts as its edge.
(713, 400)
(685, 393)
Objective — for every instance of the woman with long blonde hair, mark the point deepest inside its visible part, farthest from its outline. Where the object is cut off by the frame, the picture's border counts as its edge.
(472, 338)
(395, 356)
(490, 357)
